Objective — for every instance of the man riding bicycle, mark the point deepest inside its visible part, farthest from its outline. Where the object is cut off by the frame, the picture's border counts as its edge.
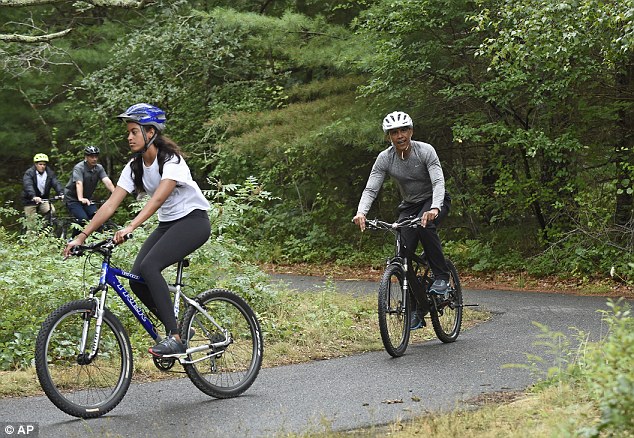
(82, 184)
(415, 167)
(37, 183)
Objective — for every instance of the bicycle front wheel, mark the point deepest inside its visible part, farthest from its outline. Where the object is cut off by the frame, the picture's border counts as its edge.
(394, 311)
(77, 385)
(231, 333)
(446, 313)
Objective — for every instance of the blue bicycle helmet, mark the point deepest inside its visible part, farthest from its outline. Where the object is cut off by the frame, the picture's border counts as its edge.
(145, 115)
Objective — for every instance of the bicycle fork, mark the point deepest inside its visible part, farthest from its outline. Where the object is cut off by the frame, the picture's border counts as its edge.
(99, 306)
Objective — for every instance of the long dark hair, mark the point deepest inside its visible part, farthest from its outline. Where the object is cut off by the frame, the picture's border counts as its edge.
(167, 149)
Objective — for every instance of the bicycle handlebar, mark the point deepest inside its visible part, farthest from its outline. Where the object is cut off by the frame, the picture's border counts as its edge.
(408, 222)
(106, 245)
(54, 198)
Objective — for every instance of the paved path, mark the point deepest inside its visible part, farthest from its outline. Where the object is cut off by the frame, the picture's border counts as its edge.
(340, 394)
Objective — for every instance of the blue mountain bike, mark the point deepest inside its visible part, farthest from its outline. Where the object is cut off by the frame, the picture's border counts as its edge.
(83, 356)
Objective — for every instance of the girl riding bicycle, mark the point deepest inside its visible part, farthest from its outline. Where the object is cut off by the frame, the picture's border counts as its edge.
(158, 168)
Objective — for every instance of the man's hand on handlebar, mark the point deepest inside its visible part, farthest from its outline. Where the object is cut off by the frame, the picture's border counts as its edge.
(429, 216)
(359, 219)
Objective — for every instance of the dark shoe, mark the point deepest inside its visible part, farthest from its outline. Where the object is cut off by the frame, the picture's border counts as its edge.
(417, 321)
(439, 287)
(168, 347)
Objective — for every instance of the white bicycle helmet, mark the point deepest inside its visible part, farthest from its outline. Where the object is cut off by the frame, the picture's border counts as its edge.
(397, 119)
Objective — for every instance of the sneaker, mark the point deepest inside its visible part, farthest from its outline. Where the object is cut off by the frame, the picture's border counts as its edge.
(439, 287)
(417, 321)
(168, 347)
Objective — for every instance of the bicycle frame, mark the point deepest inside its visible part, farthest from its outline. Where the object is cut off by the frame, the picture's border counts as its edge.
(109, 277)
(402, 261)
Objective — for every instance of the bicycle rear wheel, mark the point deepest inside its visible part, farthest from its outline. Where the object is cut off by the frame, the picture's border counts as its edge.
(446, 314)
(78, 386)
(394, 311)
(223, 371)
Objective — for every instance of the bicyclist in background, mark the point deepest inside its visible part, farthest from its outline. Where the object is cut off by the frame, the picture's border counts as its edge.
(36, 185)
(82, 184)
(158, 168)
(415, 168)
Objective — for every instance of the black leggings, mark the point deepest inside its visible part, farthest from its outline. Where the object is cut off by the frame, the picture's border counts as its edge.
(169, 243)
(428, 236)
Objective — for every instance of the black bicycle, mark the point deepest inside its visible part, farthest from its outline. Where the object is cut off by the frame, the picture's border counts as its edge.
(66, 226)
(55, 222)
(398, 298)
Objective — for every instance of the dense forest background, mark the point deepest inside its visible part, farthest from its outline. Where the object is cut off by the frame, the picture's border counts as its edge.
(528, 104)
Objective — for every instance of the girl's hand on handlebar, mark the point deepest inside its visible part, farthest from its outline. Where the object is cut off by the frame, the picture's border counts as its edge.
(359, 219)
(121, 235)
(79, 240)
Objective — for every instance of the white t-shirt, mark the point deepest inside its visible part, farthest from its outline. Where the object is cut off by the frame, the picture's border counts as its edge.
(186, 196)
(41, 181)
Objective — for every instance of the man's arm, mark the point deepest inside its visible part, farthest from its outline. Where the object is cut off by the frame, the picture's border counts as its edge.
(108, 183)
(438, 188)
(29, 188)
(372, 187)
(374, 184)
(79, 187)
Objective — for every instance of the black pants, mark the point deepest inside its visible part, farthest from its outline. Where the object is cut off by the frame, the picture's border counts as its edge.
(169, 243)
(428, 236)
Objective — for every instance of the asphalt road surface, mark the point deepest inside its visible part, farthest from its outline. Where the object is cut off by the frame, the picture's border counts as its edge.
(341, 394)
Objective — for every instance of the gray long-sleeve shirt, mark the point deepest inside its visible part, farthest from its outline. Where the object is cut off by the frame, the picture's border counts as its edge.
(418, 177)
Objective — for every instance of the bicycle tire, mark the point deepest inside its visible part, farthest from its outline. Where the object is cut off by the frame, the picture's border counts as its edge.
(446, 314)
(109, 227)
(235, 367)
(83, 390)
(60, 228)
(394, 311)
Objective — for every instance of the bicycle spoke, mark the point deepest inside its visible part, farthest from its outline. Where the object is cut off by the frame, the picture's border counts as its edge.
(223, 370)
(446, 314)
(80, 387)
(393, 311)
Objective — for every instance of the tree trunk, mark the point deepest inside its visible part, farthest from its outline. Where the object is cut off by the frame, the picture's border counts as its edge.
(624, 148)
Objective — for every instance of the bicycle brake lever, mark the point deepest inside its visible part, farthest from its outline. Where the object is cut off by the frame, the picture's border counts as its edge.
(76, 251)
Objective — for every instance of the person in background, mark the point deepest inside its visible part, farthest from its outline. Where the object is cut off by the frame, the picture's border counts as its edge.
(37, 182)
(82, 184)
(158, 168)
(415, 168)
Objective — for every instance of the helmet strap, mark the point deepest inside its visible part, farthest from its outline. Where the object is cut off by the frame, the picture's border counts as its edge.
(145, 140)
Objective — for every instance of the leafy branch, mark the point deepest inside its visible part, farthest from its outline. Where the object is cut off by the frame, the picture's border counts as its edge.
(34, 39)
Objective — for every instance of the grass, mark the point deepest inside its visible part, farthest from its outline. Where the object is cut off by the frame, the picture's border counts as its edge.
(558, 411)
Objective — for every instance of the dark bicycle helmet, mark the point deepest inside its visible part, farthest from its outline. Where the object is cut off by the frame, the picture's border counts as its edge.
(91, 150)
(145, 115)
